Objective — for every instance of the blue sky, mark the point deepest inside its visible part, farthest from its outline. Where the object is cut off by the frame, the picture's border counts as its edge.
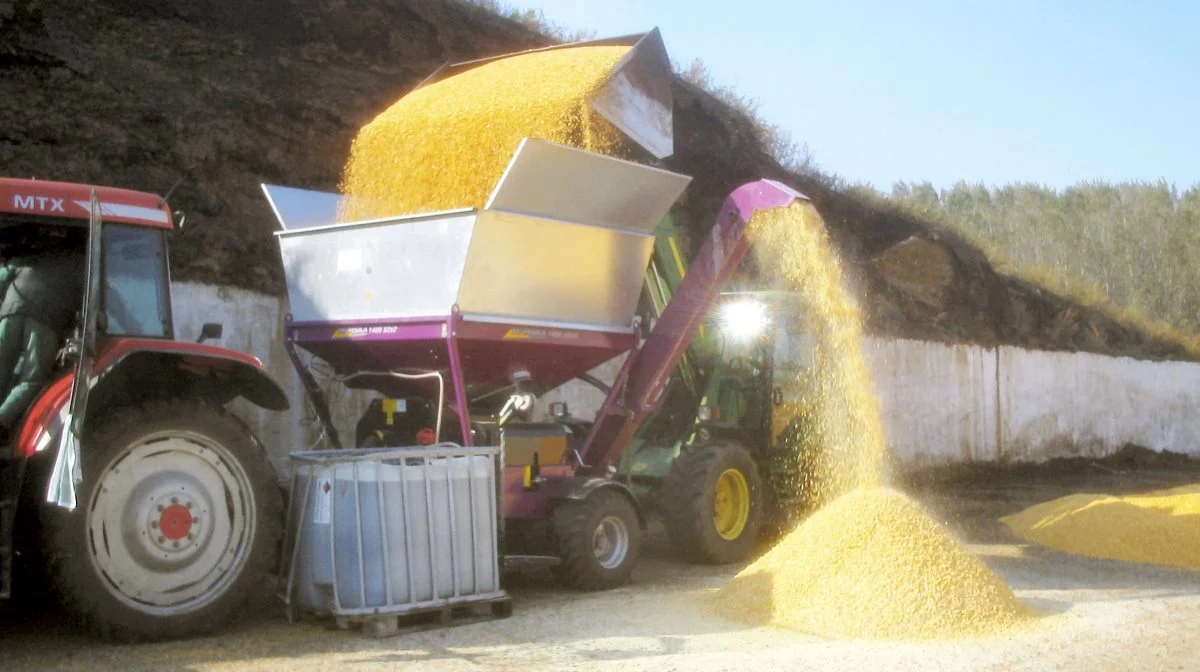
(1053, 92)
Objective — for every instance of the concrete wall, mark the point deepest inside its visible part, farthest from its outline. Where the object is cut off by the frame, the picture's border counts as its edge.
(960, 403)
(938, 401)
(941, 403)
(957, 403)
(253, 323)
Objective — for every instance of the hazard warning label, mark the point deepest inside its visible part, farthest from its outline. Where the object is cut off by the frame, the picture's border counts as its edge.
(324, 503)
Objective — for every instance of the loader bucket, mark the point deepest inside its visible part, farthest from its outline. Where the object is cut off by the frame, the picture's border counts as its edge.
(636, 97)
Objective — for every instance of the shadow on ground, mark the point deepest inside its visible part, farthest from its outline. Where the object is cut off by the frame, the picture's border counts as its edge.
(654, 615)
(660, 614)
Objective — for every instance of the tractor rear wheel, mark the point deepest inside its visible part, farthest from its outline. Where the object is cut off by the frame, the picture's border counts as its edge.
(177, 527)
(599, 538)
(712, 503)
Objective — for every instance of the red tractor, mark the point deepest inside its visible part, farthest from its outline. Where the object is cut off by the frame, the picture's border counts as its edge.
(153, 509)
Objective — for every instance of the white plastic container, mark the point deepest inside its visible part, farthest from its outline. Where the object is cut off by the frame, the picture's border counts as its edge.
(393, 530)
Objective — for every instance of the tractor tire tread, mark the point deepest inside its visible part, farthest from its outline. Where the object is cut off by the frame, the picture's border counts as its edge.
(687, 505)
(573, 525)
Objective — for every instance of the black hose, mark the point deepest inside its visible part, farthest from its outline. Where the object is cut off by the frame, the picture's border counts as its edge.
(595, 382)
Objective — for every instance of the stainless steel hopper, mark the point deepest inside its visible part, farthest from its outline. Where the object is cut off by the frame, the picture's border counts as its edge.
(563, 241)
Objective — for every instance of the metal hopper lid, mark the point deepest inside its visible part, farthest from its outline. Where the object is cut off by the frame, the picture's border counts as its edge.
(548, 180)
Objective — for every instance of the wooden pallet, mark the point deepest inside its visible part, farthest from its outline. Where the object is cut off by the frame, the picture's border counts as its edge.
(386, 625)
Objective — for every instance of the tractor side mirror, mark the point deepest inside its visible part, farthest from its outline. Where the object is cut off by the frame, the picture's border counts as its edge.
(210, 331)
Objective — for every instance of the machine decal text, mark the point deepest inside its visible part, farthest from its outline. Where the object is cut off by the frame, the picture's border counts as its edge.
(515, 333)
(43, 203)
(357, 332)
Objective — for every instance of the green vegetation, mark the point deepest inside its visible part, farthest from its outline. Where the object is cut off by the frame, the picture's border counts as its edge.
(1130, 242)
(534, 20)
(790, 154)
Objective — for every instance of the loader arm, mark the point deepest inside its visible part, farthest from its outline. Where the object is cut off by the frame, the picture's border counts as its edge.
(637, 391)
(667, 269)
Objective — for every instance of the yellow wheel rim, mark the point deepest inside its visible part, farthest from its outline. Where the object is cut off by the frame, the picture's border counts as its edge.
(731, 504)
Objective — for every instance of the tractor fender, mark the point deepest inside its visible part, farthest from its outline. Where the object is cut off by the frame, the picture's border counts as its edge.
(227, 374)
(723, 431)
(579, 488)
(159, 368)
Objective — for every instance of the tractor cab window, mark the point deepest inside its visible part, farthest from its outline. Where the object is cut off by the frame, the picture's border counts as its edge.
(136, 288)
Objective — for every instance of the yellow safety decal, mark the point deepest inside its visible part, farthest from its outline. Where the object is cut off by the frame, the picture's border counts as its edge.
(678, 257)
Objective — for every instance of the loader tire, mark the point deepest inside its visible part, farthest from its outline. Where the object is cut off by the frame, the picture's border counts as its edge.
(712, 503)
(177, 528)
(598, 540)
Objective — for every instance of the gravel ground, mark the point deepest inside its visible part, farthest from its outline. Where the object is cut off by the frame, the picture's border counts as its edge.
(1100, 615)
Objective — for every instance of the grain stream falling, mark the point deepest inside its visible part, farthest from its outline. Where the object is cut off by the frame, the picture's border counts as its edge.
(1160, 527)
(870, 562)
(841, 425)
(445, 145)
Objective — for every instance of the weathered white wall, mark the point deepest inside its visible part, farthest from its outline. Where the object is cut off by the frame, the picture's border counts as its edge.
(253, 323)
(962, 403)
(958, 403)
(940, 403)
(583, 399)
(1089, 404)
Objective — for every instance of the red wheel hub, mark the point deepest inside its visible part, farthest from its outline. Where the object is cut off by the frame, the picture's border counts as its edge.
(175, 522)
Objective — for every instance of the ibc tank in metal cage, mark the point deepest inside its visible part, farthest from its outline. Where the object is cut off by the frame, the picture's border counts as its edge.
(388, 532)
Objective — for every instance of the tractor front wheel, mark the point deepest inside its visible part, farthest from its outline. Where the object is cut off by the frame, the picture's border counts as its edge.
(712, 503)
(177, 526)
(599, 538)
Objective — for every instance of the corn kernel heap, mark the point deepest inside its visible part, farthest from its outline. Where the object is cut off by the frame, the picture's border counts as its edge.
(1160, 527)
(870, 563)
(446, 144)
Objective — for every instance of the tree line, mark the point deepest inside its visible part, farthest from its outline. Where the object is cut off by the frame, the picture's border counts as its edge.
(1136, 243)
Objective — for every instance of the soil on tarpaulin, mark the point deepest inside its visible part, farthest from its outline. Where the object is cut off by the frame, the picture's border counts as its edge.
(226, 95)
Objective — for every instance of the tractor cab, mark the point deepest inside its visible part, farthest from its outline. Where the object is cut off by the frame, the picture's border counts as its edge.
(134, 295)
(117, 236)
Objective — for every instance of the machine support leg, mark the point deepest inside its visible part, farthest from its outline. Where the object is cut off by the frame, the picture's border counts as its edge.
(460, 388)
(315, 395)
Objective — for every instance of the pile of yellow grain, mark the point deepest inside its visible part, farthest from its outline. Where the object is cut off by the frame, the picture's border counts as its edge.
(872, 564)
(842, 429)
(869, 563)
(1160, 527)
(445, 145)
